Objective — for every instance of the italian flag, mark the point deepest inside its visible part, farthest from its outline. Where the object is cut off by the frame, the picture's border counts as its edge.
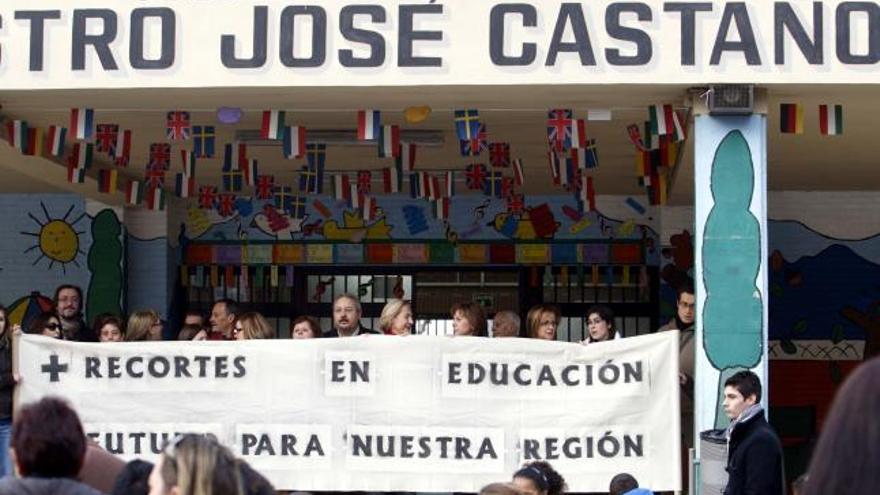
(273, 125)
(831, 120)
(134, 193)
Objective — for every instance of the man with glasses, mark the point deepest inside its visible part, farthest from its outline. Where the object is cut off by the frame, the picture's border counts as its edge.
(68, 306)
(347, 318)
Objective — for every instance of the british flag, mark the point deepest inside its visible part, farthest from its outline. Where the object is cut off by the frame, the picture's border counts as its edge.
(105, 138)
(574, 175)
(477, 144)
(160, 155)
(475, 176)
(207, 197)
(506, 186)
(499, 155)
(155, 177)
(265, 186)
(559, 129)
(226, 205)
(177, 126)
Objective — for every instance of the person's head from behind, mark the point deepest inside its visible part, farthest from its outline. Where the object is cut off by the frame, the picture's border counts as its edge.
(600, 323)
(396, 317)
(346, 313)
(194, 317)
(621, 484)
(251, 326)
(539, 478)
(143, 325)
(189, 332)
(223, 316)
(133, 479)
(543, 320)
(741, 390)
(468, 318)
(505, 324)
(845, 460)
(305, 327)
(48, 440)
(194, 464)
(686, 303)
(109, 328)
(47, 324)
(501, 489)
(68, 301)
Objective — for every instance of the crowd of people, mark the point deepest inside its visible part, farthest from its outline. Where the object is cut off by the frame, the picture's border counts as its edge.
(50, 453)
(228, 321)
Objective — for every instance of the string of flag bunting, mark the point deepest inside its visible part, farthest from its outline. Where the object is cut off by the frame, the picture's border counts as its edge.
(572, 157)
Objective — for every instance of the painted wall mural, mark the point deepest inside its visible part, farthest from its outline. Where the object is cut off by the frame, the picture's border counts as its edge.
(52, 239)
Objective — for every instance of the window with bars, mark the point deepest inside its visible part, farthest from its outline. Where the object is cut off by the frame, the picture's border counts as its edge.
(283, 293)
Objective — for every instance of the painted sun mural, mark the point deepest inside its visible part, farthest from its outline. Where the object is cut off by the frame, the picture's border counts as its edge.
(57, 239)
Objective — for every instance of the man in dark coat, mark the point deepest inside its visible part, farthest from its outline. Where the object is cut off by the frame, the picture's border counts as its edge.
(754, 455)
(347, 318)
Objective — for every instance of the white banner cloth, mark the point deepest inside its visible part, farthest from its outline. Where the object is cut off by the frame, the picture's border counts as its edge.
(382, 413)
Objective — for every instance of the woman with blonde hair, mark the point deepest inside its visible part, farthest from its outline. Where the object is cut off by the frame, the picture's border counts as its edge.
(396, 318)
(542, 321)
(143, 325)
(194, 464)
(252, 325)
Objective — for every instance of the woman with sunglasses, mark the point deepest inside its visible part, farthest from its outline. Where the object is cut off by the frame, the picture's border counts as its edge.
(198, 465)
(47, 324)
(143, 325)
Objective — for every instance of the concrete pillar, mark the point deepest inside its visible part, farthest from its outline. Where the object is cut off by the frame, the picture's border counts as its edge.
(730, 257)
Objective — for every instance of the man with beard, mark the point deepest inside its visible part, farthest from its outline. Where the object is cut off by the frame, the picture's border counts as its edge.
(68, 305)
(347, 318)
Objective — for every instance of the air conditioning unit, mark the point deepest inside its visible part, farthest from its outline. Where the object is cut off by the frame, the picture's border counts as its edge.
(732, 99)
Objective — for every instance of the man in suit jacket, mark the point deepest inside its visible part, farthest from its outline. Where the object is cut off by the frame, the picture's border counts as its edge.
(347, 318)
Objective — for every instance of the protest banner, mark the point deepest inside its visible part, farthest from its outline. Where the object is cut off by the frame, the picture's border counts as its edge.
(379, 413)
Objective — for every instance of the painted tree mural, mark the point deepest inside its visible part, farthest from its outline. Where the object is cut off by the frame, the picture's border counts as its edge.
(105, 265)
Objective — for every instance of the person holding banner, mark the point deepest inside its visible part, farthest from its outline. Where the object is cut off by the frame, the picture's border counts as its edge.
(347, 318)
(543, 320)
(539, 478)
(7, 386)
(252, 325)
(600, 325)
(46, 324)
(468, 319)
(396, 318)
(305, 327)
